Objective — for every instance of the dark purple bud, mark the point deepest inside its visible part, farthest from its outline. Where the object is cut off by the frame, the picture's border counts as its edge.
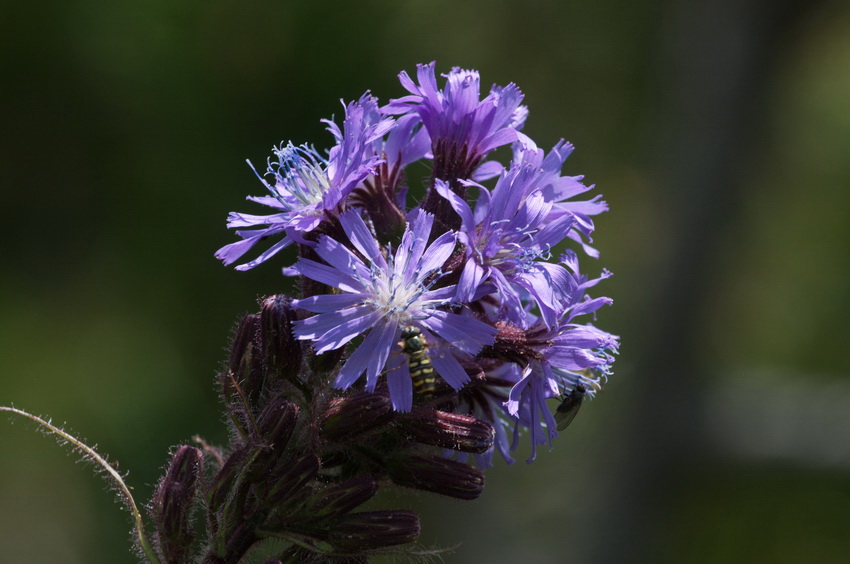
(276, 424)
(226, 477)
(232, 503)
(242, 382)
(240, 541)
(225, 498)
(172, 504)
(339, 499)
(448, 430)
(283, 352)
(437, 474)
(356, 414)
(290, 479)
(357, 532)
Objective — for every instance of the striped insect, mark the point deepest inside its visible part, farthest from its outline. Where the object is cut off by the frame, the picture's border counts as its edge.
(414, 345)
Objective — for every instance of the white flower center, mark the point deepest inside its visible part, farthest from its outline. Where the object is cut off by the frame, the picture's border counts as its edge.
(301, 177)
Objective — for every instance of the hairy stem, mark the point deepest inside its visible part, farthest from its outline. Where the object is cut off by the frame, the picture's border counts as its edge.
(92, 455)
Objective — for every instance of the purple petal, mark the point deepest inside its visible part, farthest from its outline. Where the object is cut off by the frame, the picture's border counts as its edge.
(589, 251)
(352, 369)
(329, 331)
(339, 257)
(267, 254)
(269, 201)
(427, 80)
(449, 369)
(232, 251)
(362, 239)
(235, 219)
(402, 148)
(482, 206)
(328, 275)
(412, 245)
(385, 335)
(407, 83)
(437, 254)
(458, 204)
(572, 358)
(540, 287)
(421, 230)
(487, 170)
(555, 232)
(510, 297)
(514, 396)
(585, 337)
(464, 333)
(440, 295)
(360, 360)
(501, 137)
(471, 278)
(401, 388)
(329, 302)
(589, 306)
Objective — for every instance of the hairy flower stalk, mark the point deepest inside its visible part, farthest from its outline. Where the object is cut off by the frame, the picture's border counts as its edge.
(425, 338)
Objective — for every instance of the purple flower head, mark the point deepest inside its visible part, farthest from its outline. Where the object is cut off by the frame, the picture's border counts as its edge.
(462, 127)
(306, 186)
(378, 298)
(508, 241)
(560, 189)
(555, 359)
(509, 235)
(470, 286)
(555, 374)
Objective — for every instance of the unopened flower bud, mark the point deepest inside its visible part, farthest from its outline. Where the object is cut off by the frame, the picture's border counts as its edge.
(290, 479)
(283, 352)
(437, 474)
(225, 477)
(226, 493)
(374, 529)
(449, 430)
(172, 504)
(339, 499)
(242, 382)
(356, 414)
(276, 424)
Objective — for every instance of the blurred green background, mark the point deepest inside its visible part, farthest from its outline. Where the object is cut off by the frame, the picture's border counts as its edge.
(718, 131)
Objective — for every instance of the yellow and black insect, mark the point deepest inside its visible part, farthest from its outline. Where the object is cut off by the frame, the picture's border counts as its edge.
(414, 345)
(568, 409)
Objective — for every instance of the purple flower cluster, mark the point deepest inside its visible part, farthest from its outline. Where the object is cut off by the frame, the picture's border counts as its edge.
(490, 285)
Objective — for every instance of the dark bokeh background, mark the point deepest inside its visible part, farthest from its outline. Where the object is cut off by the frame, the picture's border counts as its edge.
(719, 132)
